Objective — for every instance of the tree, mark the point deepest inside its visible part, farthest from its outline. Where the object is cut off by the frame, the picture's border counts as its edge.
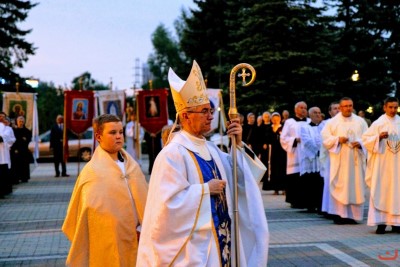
(205, 37)
(14, 49)
(300, 50)
(369, 40)
(166, 54)
(50, 103)
(289, 44)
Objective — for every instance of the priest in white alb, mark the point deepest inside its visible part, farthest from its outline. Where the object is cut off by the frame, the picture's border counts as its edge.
(341, 136)
(188, 219)
(382, 140)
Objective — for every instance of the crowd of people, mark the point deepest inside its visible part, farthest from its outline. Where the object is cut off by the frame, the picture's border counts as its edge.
(185, 215)
(328, 166)
(15, 157)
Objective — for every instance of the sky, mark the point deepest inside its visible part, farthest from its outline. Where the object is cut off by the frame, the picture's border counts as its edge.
(102, 37)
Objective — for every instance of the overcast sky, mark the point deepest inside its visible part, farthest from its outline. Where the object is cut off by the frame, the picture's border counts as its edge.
(102, 37)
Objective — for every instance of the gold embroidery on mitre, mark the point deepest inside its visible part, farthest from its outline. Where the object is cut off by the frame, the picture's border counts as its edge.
(189, 93)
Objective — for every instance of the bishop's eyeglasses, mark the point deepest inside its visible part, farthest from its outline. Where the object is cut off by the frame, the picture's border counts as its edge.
(204, 111)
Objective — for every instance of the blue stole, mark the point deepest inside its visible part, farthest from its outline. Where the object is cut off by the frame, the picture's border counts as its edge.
(219, 210)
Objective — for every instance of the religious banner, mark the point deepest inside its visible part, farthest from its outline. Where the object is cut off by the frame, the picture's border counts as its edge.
(78, 114)
(78, 110)
(111, 102)
(19, 104)
(153, 109)
(23, 104)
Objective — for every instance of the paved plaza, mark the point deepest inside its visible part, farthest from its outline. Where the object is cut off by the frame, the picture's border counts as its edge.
(32, 216)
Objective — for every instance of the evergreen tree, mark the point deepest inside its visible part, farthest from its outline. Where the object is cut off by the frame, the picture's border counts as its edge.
(204, 37)
(370, 43)
(14, 49)
(289, 45)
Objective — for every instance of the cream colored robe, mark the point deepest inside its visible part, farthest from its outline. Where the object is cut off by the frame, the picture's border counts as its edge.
(347, 165)
(383, 173)
(177, 226)
(101, 219)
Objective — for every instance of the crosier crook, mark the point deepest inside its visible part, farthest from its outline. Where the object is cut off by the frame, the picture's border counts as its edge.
(233, 114)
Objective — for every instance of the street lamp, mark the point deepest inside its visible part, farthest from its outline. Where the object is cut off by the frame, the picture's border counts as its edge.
(355, 77)
(34, 83)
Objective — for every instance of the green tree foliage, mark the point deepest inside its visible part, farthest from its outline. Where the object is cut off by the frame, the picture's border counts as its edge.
(204, 37)
(167, 53)
(14, 49)
(289, 47)
(369, 41)
(50, 102)
(300, 51)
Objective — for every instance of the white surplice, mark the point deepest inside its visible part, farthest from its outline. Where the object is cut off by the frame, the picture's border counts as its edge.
(291, 131)
(178, 227)
(383, 173)
(347, 166)
(8, 136)
(309, 146)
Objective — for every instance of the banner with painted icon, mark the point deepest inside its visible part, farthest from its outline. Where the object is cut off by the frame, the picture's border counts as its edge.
(78, 114)
(153, 109)
(111, 102)
(78, 111)
(23, 104)
(19, 104)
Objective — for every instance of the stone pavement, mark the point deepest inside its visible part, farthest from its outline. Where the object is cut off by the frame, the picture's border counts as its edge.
(31, 218)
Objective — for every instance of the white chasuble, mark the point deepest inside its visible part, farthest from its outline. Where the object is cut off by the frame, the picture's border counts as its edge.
(178, 228)
(383, 173)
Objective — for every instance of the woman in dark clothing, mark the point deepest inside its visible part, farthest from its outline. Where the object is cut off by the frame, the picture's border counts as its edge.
(21, 157)
(263, 131)
(277, 161)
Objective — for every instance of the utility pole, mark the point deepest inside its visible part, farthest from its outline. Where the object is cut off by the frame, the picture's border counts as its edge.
(137, 74)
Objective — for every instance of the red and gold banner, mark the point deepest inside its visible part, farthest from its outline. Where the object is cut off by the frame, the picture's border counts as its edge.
(78, 110)
(78, 114)
(153, 109)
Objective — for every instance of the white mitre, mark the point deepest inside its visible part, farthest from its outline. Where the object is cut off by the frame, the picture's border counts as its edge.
(189, 93)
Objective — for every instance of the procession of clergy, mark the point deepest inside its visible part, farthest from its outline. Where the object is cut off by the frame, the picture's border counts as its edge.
(185, 216)
(333, 163)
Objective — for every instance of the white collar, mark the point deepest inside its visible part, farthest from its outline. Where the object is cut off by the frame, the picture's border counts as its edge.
(200, 144)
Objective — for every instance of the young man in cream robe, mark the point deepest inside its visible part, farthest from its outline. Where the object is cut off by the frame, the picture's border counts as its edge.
(179, 221)
(341, 136)
(382, 140)
(107, 203)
